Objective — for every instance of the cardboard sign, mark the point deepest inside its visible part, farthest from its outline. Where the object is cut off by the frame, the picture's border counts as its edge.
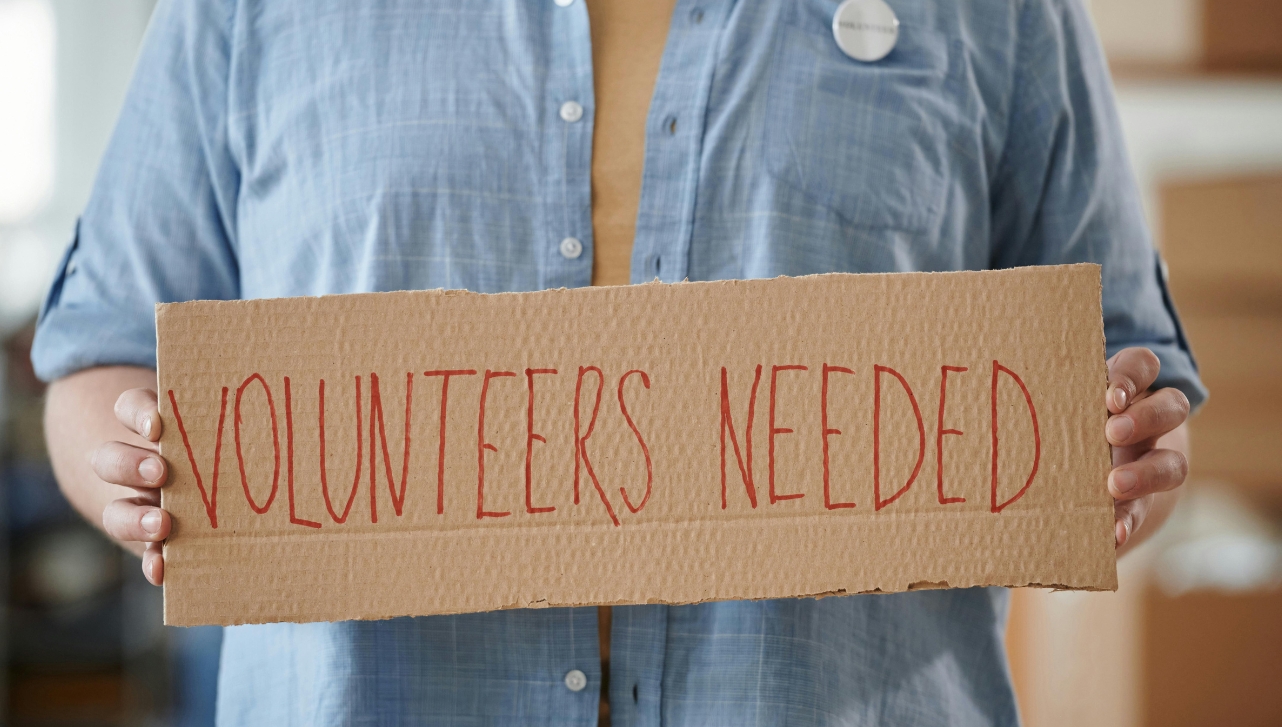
(377, 455)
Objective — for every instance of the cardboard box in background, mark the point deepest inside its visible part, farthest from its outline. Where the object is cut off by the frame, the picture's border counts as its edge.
(1142, 658)
(1211, 658)
(1222, 240)
(1243, 36)
(1190, 37)
(414, 453)
(1219, 237)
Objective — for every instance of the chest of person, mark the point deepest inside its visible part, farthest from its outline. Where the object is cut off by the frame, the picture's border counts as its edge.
(442, 135)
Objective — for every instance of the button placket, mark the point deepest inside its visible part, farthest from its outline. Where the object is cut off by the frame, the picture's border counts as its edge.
(637, 655)
(568, 153)
(674, 142)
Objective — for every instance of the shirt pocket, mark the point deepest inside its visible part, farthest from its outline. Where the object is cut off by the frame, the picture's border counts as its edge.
(864, 140)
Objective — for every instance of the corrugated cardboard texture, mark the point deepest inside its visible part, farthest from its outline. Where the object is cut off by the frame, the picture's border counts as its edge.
(648, 502)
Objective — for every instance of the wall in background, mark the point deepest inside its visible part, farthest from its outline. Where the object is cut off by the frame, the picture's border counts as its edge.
(1199, 127)
(64, 68)
(1150, 33)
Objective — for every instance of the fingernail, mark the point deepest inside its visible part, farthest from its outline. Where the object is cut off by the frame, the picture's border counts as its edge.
(1120, 428)
(1123, 481)
(151, 522)
(149, 569)
(1119, 534)
(1119, 398)
(151, 470)
(146, 426)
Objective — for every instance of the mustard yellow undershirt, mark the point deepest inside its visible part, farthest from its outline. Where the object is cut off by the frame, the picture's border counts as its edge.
(628, 37)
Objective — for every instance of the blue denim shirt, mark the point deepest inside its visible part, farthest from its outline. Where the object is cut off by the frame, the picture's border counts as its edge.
(301, 147)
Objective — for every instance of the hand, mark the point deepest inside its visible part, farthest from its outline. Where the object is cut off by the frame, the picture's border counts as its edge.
(136, 519)
(1140, 416)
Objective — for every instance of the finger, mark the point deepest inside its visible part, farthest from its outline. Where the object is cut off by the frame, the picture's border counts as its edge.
(1156, 471)
(1128, 516)
(153, 564)
(138, 410)
(122, 464)
(135, 520)
(1148, 418)
(1130, 372)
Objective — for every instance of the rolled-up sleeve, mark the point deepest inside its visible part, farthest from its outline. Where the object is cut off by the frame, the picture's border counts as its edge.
(159, 225)
(1064, 191)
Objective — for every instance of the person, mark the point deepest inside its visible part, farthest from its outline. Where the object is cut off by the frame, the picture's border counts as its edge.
(300, 148)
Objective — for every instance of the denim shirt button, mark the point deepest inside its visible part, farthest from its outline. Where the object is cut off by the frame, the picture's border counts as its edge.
(575, 680)
(571, 248)
(571, 112)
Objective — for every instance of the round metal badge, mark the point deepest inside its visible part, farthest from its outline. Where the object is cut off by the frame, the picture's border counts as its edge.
(865, 30)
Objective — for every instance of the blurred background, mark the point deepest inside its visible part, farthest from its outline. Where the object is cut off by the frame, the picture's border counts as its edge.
(1192, 637)
(80, 630)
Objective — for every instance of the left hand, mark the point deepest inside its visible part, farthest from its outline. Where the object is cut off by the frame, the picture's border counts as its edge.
(1140, 416)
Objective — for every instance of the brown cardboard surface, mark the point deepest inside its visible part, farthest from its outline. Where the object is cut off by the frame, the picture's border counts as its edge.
(636, 494)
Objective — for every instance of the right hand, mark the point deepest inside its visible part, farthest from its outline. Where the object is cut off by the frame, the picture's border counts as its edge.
(137, 519)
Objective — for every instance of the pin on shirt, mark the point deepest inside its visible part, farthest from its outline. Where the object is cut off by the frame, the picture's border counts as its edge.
(865, 30)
